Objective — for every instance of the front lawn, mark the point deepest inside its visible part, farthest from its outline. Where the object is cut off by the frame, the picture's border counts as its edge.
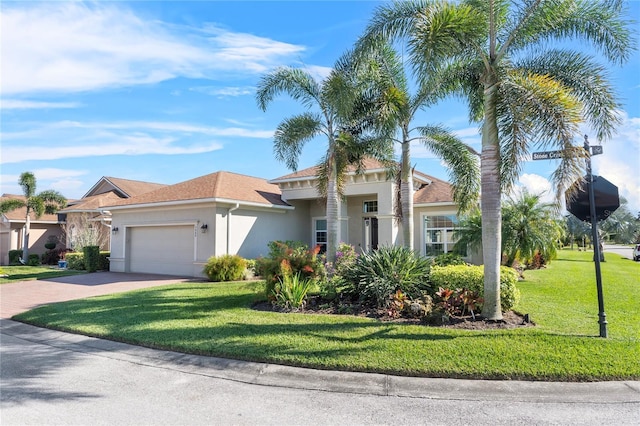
(28, 273)
(217, 319)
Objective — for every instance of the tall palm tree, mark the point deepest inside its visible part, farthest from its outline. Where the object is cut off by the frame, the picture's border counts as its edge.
(47, 202)
(461, 159)
(499, 56)
(344, 108)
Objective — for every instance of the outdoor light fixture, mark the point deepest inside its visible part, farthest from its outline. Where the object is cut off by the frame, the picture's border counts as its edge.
(114, 230)
(204, 228)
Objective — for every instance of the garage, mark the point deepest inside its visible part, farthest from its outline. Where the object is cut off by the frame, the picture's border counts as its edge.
(161, 249)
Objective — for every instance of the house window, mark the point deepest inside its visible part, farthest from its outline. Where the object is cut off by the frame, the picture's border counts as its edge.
(320, 234)
(370, 207)
(438, 234)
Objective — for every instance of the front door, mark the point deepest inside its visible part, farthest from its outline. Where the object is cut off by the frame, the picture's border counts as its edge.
(370, 226)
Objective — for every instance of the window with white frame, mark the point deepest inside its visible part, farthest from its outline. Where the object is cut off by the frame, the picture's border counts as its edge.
(438, 234)
(370, 207)
(320, 234)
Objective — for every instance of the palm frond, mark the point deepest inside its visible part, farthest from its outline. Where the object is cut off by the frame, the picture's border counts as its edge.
(296, 83)
(291, 136)
(11, 204)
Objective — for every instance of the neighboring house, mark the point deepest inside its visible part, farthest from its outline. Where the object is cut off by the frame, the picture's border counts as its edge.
(82, 219)
(175, 229)
(86, 222)
(12, 230)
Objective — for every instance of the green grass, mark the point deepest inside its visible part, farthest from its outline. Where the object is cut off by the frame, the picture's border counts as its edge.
(28, 273)
(216, 319)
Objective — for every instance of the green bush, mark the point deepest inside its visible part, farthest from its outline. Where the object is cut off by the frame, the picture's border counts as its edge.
(227, 267)
(34, 260)
(446, 259)
(299, 258)
(471, 277)
(291, 290)
(377, 275)
(75, 260)
(91, 258)
(14, 257)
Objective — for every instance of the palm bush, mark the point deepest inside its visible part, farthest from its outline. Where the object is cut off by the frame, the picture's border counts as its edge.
(291, 290)
(377, 275)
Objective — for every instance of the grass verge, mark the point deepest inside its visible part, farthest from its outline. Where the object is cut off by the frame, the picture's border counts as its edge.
(216, 319)
(29, 273)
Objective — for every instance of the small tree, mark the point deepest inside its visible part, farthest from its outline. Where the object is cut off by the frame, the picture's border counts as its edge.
(83, 230)
(48, 202)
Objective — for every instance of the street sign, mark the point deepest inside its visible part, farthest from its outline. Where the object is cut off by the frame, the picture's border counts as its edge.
(596, 149)
(547, 155)
(606, 200)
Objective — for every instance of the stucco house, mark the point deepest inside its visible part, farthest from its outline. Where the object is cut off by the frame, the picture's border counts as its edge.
(73, 222)
(12, 230)
(175, 229)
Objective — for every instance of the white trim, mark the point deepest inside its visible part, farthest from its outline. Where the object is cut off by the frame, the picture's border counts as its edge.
(439, 204)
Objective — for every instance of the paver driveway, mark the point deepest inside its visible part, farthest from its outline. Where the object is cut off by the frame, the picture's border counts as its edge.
(23, 296)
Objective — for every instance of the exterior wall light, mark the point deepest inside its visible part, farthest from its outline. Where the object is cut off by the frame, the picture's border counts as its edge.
(204, 228)
(114, 230)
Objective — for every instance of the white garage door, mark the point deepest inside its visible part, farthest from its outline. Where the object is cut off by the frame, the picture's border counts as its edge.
(161, 249)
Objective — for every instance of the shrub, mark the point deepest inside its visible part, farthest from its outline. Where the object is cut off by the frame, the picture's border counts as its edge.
(75, 260)
(470, 277)
(446, 259)
(14, 257)
(377, 275)
(291, 290)
(34, 260)
(228, 267)
(91, 258)
(299, 258)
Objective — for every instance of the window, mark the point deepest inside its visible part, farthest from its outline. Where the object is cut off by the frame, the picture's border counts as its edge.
(438, 234)
(370, 207)
(320, 234)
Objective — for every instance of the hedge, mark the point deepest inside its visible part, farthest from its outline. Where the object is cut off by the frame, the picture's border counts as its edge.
(75, 260)
(471, 277)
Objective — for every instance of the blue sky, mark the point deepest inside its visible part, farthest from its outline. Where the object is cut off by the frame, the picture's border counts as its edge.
(165, 91)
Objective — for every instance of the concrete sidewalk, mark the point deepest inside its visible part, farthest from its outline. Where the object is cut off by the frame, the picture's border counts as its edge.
(25, 295)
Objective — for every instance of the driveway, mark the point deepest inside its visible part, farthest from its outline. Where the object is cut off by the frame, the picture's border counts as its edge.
(26, 295)
(50, 377)
(624, 251)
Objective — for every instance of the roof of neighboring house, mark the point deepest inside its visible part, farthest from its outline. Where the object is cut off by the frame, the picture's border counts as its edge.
(221, 185)
(92, 203)
(126, 187)
(433, 190)
(19, 215)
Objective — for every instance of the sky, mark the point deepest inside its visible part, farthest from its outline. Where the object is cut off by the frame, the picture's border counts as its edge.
(164, 91)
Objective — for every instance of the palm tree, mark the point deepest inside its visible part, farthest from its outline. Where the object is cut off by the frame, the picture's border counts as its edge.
(498, 55)
(461, 159)
(47, 202)
(346, 113)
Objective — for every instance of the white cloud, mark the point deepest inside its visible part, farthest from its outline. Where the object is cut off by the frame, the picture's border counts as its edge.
(73, 46)
(24, 104)
(61, 180)
(222, 92)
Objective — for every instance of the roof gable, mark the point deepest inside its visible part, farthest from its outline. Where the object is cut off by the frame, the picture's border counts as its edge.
(124, 188)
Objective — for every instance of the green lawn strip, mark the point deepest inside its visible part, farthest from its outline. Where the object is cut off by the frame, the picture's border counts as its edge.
(29, 273)
(216, 319)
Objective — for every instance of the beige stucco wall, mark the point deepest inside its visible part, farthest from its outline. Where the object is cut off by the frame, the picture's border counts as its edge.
(11, 238)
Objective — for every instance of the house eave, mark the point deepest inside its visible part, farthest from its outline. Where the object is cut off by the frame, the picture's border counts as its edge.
(198, 201)
(438, 204)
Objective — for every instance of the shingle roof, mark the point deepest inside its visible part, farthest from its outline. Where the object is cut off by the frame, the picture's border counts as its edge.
(435, 191)
(131, 188)
(18, 215)
(92, 203)
(219, 185)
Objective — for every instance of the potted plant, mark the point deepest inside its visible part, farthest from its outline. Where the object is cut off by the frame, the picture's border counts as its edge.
(52, 242)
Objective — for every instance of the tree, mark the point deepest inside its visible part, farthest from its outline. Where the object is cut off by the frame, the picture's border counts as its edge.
(499, 57)
(622, 225)
(345, 113)
(461, 159)
(48, 202)
(529, 226)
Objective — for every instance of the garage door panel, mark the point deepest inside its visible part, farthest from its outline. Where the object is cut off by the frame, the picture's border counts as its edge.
(162, 249)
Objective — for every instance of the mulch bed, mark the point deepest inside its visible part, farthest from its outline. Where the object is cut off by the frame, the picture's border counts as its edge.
(510, 319)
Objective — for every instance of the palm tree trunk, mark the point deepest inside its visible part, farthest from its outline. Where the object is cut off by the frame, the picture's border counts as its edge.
(406, 193)
(333, 211)
(25, 242)
(491, 206)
